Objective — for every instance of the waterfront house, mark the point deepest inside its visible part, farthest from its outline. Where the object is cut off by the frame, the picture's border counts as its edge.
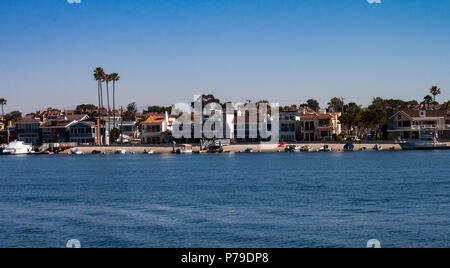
(408, 124)
(84, 132)
(27, 130)
(155, 129)
(56, 131)
(2, 126)
(320, 127)
(290, 123)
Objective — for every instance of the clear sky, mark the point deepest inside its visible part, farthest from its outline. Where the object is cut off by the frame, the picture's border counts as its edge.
(168, 50)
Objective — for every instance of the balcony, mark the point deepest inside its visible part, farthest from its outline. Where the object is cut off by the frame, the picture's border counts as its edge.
(419, 127)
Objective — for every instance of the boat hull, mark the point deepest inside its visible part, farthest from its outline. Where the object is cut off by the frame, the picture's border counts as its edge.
(423, 146)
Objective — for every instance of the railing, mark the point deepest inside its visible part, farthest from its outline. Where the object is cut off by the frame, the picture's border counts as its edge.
(419, 127)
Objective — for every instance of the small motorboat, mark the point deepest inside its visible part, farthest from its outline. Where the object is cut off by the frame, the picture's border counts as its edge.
(326, 148)
(378, 148)
(282, 145)
(185, 149)
(306, 148)
(218, 149)
(292, 149)
(76, 151)
(149, 151)
(120, 151)
(249, 150)
(349, 147)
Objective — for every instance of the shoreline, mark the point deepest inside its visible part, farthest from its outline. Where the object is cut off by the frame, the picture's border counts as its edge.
(235, 148)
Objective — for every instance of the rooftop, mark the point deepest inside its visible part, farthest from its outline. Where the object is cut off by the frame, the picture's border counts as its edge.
(154, 119)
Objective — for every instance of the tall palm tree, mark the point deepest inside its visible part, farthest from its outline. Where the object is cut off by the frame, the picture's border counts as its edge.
(3, 102)
(108, 78)
(435, 90)
(99, 75)
(114, 78)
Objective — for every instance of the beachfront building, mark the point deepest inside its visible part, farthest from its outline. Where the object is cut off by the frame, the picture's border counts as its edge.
(129, 131)
(27, 130)
(2, 126)
(408, 124)
(248, 131)
(290, 123)
(320, 127)
(56, 131)
(84, 132)
(155, 129)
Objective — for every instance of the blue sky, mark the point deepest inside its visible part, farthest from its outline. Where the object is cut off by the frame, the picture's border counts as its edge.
(168, 50)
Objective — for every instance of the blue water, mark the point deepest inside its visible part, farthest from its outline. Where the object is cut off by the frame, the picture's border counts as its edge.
(240, 200)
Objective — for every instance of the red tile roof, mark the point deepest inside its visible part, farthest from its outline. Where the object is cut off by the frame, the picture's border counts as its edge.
(316, 116)
(154, 119)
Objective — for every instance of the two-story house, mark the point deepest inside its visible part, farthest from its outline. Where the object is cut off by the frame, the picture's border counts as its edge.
(27, 130)
(154, 129)
(320, 127)
(409, 124)
(84, 132)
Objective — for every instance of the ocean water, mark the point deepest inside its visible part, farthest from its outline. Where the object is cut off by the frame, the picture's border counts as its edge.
(238, 200)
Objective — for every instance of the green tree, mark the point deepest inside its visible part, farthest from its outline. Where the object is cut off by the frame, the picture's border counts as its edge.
(158, 109)
(336, 104)
(351, 116)
(115, 135)
(3, 102)
(446, 106)
(313, 104)
(86, 109)
(13, 117)
(427, 100)
(435, 90)
(130, 113)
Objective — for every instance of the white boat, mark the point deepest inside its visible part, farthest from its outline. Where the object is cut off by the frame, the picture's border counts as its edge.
(17, 148)
(428, 141)
(76, 151)
(120, 151)
(185, 149)
(149, 151)
(306, 148)
(326, 148)
(378, 148)
(292, 149)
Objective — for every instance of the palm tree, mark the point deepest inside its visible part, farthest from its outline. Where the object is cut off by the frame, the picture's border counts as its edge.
(435, 90)
(99, 75)
(3, 102)
(114, 78)
(108, 78)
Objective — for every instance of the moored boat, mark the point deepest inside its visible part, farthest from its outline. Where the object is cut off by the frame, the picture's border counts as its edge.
(349, 147)
(428, 141)
(76, 151)
(292, 149)
(120, 151)
(326, 148)
(17, 148)
(306, 148)
(185, 149)
(378, 148)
